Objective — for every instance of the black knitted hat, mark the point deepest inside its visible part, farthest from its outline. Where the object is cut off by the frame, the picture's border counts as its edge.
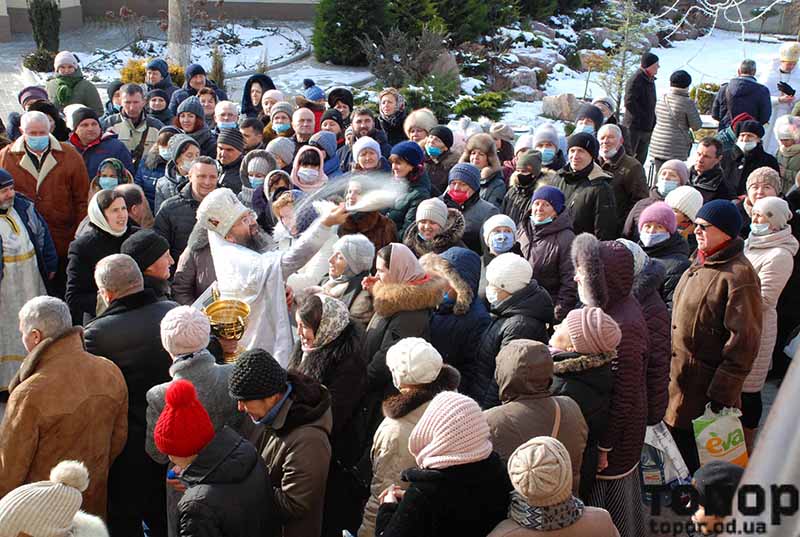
(444, 134)
(585, 141)
(82, 114)
(256, 375)
(334, 114)
(231, 137)
(145, 247)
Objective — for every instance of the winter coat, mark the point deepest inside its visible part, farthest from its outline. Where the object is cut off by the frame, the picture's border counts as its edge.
(211, 382)
(676, 117)
(107, 146)
(467, 500)
(493, 188)
(207, 141)
(176, 218)
(346, 151)
(389, 454)
(737, 166)
(789, 163)
(517, 201)
(59, 190)
(39, 235)
(187, 91)
(772, 257)
(439, 169)
(164, 116)
(450, 236)
(475, 211)
(770, 76)
(646, 285)
(640, 102)
(297, 452)
(590, 200)
(457, 326)
(151, 168)
(523, 315)
(393, 127)
(270, 135)
(229, 493)
(627, 181)
(714, 344)
(169, 185)
(547, 248)
(129, 334)
(673, 255)
(379, 229)
(630, 230)
(66, 404)
(230, 178)
(529, 410)
(84, 254)
(355, 297)
(493, 183)
(247, 108)
(401, 310)
(589, 381)
(711, 184)
(83, 93)
(594, 522)
(166, 84)
(131, 135)
(404, 211)
(609, 282)
(741, 95)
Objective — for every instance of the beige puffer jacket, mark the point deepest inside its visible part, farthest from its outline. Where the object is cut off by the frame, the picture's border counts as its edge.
(772, 257)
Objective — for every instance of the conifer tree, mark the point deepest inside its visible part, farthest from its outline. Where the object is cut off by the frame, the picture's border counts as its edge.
(339, 23)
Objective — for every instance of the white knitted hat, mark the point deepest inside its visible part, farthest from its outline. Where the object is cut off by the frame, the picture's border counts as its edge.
(365, 142)
(640, 257)
(790, 52)
(357, 250)
(220, 210)
(685, 199)
(523, 142)
(432, 209)
(509, 272)
(65, 57)
(413, 361)
(776, 210)
(541, 471)
(45, 508)
(496, 221)
(184, 330)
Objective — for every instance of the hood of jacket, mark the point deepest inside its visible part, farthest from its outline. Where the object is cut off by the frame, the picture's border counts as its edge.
(452, 234)
(266, 83)
(401, 404)
(310, 401)
(201, 135)
(648, 281)
(675, 245)
(261, 153)
(462, 270)
(392, 298)
(783, 239)
(524, 370)
(228, 458)
(532, 301)
(608, 268)
(172, 174)
(566, 363)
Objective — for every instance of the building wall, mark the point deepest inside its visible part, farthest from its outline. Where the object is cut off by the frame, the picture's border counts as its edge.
(234, 9)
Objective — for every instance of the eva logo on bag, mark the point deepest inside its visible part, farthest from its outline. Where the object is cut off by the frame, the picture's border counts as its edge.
(720, 437)
(719, 448)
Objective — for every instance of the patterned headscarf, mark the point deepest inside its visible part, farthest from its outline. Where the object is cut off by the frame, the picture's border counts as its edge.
(335, 318)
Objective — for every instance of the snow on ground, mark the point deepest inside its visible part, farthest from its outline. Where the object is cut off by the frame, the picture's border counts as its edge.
(244, 48)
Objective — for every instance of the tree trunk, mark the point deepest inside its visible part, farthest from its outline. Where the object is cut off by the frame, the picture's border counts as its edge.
(179, 33)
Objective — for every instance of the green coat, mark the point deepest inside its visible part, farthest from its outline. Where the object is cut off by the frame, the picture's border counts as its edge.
(789, 162)
(83, 93)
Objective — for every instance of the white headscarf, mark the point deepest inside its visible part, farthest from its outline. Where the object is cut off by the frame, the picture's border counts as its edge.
(97, 217)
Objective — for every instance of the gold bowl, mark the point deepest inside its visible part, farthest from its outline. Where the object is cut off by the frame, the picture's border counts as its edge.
(228, 318)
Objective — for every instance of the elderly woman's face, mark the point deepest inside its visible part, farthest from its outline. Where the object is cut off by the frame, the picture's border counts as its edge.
(759, 190)
(337, 265)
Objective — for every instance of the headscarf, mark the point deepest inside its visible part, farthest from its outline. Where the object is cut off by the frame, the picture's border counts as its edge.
(321, 179)
(119, 167)
(335, 318)
(97, 217)
(404, 266)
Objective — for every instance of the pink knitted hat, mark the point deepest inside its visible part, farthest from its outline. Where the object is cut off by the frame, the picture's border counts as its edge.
(659, 213)
(592, 331)
(451, 432)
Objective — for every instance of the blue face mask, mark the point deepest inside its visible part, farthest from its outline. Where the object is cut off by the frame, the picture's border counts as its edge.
(651, 239)
(37, 143)
(433, 151)
(541, 222)
(759, 229)
(280, 127)
(665, 186)
(256, 182)
(588, 129)
(548, 154)
(230, 125)
(501, 242)
(115, 108)
(107, 183)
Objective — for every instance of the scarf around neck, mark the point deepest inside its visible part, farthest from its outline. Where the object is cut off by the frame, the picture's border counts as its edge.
(65, 86)
(544, 518)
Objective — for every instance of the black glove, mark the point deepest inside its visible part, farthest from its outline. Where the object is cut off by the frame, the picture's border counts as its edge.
(717, 407)
(783, 87)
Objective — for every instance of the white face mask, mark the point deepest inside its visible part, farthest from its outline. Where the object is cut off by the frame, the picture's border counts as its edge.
(491, 295)
(582, 295)
(307, 175)
(746, 147)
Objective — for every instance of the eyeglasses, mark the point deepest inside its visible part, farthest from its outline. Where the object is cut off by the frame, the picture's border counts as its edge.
(704, 227)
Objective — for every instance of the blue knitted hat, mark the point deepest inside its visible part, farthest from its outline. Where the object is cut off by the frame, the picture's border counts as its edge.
(466, 173)
(411, 152)
(551, 195)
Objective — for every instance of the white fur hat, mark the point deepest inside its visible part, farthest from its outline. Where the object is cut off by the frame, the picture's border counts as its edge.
(413, 361)
(509, 272)
(184, 330)
(219, 210)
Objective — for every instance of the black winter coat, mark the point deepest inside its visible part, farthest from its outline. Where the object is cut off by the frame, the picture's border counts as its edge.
(393, 127)
(640, 102)
(230, 177)
(468, 500)
(742, 94)
(228, 491)
(737, 166)
(628, 182)
(523, 315)
(711, 184)
(129, 334)
(517, 201)
(476, 211)
(82, 257)
(673, 255)
(207, 141)
(590, 201)
(176, 219)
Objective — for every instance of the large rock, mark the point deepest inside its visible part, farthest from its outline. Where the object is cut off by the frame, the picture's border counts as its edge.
(524, 76)
(543, 58)
(526, 94)
(537, 26)
(592, 59)
(445, 65)
(564, 107)
(600, 35)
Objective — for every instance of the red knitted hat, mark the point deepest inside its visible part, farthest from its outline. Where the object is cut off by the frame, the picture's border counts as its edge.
(183, 428)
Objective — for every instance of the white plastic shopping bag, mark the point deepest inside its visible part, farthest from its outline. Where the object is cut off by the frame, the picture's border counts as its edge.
(719, 436)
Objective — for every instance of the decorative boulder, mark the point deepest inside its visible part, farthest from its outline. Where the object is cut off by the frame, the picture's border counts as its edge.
(591, 59)
(545, 59)
(526, 94)
(564, 107)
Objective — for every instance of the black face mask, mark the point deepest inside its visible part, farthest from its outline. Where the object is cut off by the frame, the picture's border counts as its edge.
(525, 179)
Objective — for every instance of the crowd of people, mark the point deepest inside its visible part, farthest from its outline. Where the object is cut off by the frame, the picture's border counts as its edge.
(479, 355)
